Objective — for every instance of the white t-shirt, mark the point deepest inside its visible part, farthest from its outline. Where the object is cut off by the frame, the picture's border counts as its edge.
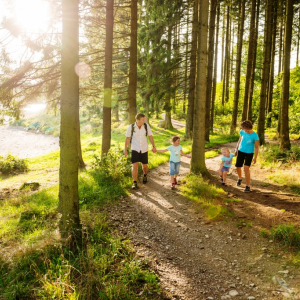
(139, 141)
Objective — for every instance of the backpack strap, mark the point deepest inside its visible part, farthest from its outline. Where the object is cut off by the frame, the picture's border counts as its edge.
(132, 130)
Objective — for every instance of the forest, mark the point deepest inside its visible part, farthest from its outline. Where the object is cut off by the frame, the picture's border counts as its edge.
(195, 68)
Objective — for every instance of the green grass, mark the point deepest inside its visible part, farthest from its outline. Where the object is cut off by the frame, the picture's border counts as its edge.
(33, 263)
(201, 191)
(288, 234)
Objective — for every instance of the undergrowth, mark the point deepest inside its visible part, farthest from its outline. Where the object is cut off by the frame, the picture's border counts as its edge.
(10, 164)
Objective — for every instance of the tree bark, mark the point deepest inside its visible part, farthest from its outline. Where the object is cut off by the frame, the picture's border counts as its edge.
(198, 148)
(238, 67)
(212, 112)
(271, 79)
(212, 21)
(132, 64)
(251, 52)
(249, 113)
(265, 73)
(167, 107)
(285, 143)
(226, 59)
(106, 133)
(192, 78)
(69, 225)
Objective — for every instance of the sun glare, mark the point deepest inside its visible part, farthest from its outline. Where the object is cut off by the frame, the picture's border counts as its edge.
(31, 15)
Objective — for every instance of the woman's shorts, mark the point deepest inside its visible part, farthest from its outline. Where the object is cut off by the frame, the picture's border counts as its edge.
(174, 168)
(225, 169)
(139, 157)
(243, 159)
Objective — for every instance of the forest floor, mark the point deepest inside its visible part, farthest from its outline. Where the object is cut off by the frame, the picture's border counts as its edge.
(196, 258)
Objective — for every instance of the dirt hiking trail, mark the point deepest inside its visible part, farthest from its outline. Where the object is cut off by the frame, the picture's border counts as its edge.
(200, 259)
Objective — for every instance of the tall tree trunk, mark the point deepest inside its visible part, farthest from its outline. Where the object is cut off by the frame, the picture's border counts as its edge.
(168, 107)
(186, 62)
(285, 143)
(223, 43)
(212, 21)
(249, 113)
(212, 112)
(198, 148)
(228, 64)
(238, 67)
(69, 225)
(106, 133)
(226, 59)
(251, 51)
(132, 64)
(265, 72)
(192, 78)
(298, 40)
(273, 50)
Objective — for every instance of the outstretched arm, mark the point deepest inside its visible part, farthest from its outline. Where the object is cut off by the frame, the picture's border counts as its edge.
(255, 151)
(162, 151)
(152, 142)
(127, 141)
(237, 146)
(186, 155)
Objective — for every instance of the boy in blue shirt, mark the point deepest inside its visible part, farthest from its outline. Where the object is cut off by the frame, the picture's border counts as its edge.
(225, 164)
(246, 147)
(175, 152)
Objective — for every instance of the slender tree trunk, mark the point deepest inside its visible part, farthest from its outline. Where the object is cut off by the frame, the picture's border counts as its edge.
(198, 149)
(226, 60)
(271, 79)
(186, 62)
(192, 79)
(251, 52)
(249, 114)
(81, 163)
(69, 225)
(168, 107)
(298, 40)
(106, 133)
(212, 112)
(228, 64)
(285, 143)
(265, 72)
(132, 64)
(238, 68)
(212, 21)
(223, 43)
(280, 36)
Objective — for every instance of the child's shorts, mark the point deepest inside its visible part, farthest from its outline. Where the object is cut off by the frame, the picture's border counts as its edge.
(225, 169)
(174, 168)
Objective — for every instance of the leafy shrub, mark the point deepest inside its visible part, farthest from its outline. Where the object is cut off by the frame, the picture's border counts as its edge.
(12, 165)
(272, 153)
(286, 233)
(113, 166)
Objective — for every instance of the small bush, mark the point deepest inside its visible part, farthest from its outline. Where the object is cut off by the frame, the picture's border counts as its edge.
(272, 153)
(288, 234)
(114, 166)
(12, 165)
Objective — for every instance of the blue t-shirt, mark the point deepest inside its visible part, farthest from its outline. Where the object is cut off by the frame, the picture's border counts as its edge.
(227, 160)
(248, 141)
(175, 153)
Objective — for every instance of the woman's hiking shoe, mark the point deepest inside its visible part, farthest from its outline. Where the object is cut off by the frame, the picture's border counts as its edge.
(224, 184)
(145, 178)
(175, 181)
(134, 185)
(173, 186)
(247, 189)
(239, 181)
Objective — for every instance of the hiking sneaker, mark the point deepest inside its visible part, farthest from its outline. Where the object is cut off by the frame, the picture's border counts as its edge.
(134, 185)
(173, 186)
(175, 181)
(223, 184)
(247, 189)
(145, 178)
(239, 181)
